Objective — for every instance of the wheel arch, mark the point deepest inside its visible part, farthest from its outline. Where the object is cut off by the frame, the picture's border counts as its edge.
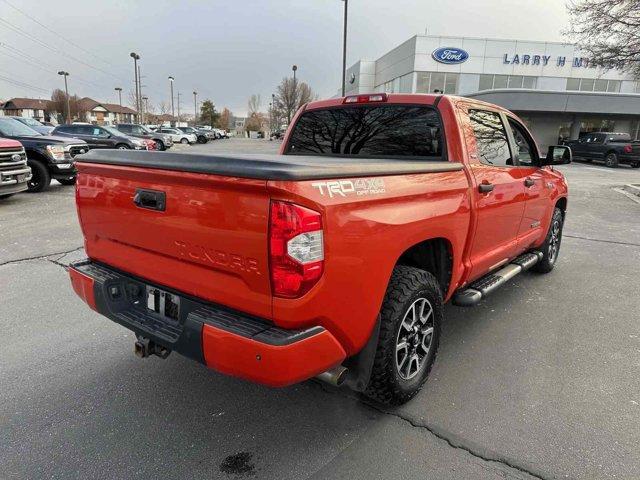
(434, 255)
(562, 204)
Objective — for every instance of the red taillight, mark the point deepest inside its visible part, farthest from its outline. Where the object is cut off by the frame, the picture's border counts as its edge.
(296, 249)
(372, 98)
(628, 149)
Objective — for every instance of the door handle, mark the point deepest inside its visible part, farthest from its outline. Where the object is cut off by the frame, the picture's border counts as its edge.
(529, 182)
(150, 199)
(485, 187)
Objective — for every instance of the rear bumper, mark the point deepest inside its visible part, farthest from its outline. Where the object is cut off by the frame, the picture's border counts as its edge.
(225, 340)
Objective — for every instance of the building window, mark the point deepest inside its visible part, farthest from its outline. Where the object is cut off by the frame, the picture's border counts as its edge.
(490, 82)
(593, 85)
(406, 83)
(428, 82)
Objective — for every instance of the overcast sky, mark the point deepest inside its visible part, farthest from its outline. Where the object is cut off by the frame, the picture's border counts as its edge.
(227, 50)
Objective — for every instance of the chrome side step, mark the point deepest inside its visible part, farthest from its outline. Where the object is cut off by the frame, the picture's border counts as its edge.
(472, 294)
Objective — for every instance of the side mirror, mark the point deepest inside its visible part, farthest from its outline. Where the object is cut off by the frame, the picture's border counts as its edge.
(557, 155)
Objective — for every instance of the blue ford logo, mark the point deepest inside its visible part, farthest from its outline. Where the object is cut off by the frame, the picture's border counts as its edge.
(450, 55)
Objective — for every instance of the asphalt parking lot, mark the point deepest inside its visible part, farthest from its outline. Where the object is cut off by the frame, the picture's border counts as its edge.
(539, 381)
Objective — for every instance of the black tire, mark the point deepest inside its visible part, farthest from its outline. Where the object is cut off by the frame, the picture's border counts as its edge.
(123, 146)
(160, 145)
(67, 181)
(184, 141)
(635, 165)
(391, 382)
(6, 195)
(551, 247)
(202, 139)
(40, 177)
(611, 160)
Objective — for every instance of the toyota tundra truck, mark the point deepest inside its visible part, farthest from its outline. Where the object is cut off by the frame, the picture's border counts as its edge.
(332, 259)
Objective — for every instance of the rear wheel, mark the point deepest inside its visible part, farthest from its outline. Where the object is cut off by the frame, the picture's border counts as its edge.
(6, 195)
(409, 334)
(635, 165)
(551, 247)
(40, 177)
(184, 141)
(160, 145)
(122, 146)
(611, 160)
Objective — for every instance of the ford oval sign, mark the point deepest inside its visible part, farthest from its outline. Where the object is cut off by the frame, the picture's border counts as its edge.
(450, 55)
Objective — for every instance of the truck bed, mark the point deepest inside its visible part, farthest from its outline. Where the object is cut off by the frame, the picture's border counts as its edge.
(268, 167)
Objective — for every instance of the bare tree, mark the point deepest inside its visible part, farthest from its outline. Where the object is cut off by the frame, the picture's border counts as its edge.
(131, 98)
(608, 31)
(290, 97)
(58, 104)
(254, 104)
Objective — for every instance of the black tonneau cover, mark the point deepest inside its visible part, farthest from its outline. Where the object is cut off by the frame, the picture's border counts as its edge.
(267, 167)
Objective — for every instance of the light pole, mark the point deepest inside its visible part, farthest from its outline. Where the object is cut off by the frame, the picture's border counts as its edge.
(119, 90)
(344, 49)
(294, 68)
(195, 108)
(178, 95)
(136, 57)
(173, 114)
(66, 91)
(273, 101)
(145, 110)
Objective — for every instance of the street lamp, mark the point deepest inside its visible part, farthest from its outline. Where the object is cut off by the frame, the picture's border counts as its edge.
(195, 108)
(66, 91)
(294, 68)
(136, 57)
(171, 79)
(119, 90)
(344, 49)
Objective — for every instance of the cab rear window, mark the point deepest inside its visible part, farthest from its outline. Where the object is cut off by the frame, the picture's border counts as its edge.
(369, 131)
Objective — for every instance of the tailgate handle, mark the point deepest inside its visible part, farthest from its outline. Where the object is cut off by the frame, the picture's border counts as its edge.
(150, 199)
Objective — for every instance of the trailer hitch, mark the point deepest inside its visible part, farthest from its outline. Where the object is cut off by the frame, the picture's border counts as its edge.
(144, 348)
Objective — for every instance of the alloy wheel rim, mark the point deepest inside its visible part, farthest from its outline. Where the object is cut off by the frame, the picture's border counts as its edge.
(554, 241)
(414, 339)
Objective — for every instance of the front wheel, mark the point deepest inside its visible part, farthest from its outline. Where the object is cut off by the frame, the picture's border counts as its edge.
(611, 160)
(160, 145)
(551, 246)
(410, 322)
(122, 146)
(635, 165)
(184, 141)
(40, 177)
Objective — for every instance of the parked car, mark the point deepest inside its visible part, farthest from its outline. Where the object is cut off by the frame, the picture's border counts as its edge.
(332, 259)
(178, 135)
(14, 171)
(35, 124)
(202, 136)
(610, 147)
(98, 136)
(48, 156)
(163, 141)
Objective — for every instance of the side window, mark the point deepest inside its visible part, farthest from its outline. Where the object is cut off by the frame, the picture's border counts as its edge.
(525, 145)
(125, 128)
(136, 130)
(83, 130)
(491, 138)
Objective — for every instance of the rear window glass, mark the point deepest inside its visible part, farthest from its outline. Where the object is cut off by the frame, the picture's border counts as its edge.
(369, 131)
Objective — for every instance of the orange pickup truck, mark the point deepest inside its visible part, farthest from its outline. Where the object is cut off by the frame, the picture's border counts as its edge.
(332, 259)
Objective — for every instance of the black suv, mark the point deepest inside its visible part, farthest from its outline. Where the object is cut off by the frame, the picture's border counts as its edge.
(48, 156)
(98, 136)
(163, 141)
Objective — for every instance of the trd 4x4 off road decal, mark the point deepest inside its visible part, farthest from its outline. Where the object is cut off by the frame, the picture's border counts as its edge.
(360, 186)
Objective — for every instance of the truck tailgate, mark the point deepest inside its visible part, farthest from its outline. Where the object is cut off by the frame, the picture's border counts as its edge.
(202, 234)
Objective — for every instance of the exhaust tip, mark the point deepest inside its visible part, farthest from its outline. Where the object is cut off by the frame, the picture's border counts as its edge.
(334, 376)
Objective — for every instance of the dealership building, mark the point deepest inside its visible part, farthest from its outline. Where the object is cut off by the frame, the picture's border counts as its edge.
(551, 86)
